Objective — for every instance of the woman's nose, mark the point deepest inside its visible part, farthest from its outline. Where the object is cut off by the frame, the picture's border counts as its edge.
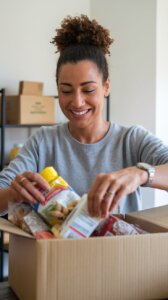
(78, 99)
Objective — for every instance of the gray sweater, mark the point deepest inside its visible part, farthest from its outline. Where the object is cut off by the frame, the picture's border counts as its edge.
(79, 163)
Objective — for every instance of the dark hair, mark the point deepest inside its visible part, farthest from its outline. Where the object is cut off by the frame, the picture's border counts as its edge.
(82, 39)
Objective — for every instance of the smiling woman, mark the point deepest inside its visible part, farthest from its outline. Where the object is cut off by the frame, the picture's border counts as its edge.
(82, 76)
(81, 99)
(106, 160)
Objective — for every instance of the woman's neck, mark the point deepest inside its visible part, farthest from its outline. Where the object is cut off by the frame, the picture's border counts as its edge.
(91, 135)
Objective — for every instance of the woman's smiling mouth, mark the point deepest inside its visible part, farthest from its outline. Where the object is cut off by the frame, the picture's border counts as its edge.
(80, 113)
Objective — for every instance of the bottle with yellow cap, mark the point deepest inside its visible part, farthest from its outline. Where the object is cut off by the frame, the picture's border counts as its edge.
(15, 150)
(59, 200)
(52, 177)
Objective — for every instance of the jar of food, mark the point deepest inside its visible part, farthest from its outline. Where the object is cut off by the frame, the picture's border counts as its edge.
(15, 150)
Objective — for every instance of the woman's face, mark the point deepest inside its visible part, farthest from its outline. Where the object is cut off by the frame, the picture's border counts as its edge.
(81, 93)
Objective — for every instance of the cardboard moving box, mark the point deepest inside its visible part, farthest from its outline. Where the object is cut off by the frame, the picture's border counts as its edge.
(31, 88)
(27, 109)
(106, 268)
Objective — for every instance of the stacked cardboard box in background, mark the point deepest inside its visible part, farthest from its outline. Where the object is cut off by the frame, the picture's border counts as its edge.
(30, 106)
(30, 88)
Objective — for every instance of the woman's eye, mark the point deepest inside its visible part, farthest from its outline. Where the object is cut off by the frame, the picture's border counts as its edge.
(66, 92)
(89, 91)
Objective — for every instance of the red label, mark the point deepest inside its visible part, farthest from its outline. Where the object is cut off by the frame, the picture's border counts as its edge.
(54, 192)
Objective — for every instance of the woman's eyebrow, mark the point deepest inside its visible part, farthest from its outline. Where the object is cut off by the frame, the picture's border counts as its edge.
(87, 82)
(82, 83)
(65, 83)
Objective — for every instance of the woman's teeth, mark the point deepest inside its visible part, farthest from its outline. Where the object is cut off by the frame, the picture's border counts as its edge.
(79, 113)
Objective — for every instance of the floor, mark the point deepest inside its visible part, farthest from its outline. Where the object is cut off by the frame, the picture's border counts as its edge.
(6, 292)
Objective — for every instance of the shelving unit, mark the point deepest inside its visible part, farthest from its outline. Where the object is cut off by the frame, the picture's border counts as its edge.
(3, 127)
(2, 92)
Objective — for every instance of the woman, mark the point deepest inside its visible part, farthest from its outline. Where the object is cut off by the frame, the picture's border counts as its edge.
(92, 155)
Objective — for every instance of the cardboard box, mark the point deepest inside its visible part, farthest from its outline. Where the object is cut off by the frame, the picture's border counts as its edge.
(119, 267)
(26, 109)
(31, 88)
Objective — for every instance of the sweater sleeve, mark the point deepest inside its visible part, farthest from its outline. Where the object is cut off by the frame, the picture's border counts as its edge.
(148, 147)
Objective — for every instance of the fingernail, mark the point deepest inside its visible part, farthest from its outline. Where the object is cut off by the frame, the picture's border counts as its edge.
(43, 200)
(103, 215)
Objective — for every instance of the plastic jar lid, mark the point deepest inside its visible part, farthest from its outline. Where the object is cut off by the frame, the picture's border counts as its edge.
(49, 174)
(18, 145)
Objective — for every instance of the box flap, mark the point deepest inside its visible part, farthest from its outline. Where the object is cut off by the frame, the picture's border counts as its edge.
(7, 226)
(156, 215)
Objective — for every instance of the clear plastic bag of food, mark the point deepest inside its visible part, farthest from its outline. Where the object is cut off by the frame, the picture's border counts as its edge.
(16, 213)
(36, 225)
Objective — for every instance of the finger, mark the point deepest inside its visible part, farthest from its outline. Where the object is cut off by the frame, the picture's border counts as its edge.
(110, 193)
(21, 180)
(106, 204)
(32, 189)
(96, 194)
(37, 178)
(22, 193)
(117, 198)
(108, 198)
(29, 187)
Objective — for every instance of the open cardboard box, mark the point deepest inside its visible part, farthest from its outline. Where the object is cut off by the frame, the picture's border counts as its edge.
(119, 267)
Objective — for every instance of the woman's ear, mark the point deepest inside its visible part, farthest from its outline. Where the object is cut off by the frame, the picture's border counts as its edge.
(107, 88)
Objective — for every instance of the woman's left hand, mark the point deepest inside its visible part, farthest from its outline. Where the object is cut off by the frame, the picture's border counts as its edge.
(108, 189)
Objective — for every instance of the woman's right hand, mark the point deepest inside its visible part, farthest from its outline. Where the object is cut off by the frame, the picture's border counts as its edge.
(27, 186)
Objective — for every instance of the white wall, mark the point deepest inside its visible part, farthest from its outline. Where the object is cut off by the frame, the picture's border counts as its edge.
(132, 24)
(162, 70)
(26, 29)
(138, 68)
(132, 61)
(162, 83)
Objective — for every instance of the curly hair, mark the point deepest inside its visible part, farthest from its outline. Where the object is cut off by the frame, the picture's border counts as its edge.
(81, 30)
(80, 38)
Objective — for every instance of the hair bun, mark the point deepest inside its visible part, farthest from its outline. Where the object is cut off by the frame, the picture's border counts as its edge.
(81, 30)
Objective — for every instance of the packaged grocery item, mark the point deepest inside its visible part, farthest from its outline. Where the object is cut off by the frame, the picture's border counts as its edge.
(37, 226)
(15, 150)
(16, 213)
(59, 200)
(56, 230)
(113, 225)
(79, 223)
